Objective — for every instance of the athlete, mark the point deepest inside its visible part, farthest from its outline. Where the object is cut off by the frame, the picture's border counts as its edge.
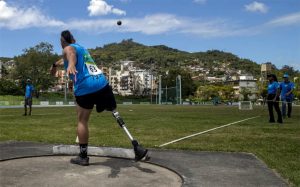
(286, 95)
(273, 98)
(28, 97)
(90, 88)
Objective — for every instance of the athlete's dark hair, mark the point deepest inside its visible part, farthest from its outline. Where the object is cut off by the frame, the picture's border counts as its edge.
(273, 76)
(68, 37)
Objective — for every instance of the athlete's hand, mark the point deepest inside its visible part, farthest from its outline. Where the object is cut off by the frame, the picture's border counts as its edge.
(71, 70)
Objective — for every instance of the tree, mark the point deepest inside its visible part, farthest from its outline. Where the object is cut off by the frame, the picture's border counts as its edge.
(188, 87)
(227, 92)
(8, 87)
(289, 70)
(34, 64)
(244, 94)
(4, 72)
(208, 92)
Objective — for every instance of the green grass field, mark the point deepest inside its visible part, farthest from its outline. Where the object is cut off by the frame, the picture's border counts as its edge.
(277, 145)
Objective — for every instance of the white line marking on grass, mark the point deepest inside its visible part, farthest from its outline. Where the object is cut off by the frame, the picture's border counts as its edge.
(174, 141)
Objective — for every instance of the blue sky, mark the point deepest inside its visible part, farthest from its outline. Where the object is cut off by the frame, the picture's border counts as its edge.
(260, 30)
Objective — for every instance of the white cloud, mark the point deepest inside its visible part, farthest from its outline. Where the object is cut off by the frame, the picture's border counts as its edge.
(100, 7)
(17, 18)
(153, 24)
(200, 1)
(93, 26)
(150, 25)
(159, 24)
(257, 7)
(290, 19)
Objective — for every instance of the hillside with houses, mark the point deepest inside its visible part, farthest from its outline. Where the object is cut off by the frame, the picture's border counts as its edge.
(134, 69)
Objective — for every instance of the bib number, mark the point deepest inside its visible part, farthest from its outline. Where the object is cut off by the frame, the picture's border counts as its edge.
(93, 69)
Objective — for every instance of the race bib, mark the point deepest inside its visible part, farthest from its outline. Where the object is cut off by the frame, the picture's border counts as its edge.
(93, 69)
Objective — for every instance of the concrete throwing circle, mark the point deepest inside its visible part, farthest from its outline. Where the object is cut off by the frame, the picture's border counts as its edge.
(103, 171)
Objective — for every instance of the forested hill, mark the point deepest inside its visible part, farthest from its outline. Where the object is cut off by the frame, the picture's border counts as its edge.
(161, 57)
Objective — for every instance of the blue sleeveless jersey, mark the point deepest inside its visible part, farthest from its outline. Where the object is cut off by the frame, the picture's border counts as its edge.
(89, 78)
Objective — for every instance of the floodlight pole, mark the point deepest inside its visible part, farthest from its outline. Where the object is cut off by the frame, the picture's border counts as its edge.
(159, 91)
(180, 96)
(166, 94)
(156, 93)
(178, 92)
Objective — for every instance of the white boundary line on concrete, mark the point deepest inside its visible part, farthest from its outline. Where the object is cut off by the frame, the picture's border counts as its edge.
(94, 151)
(174, 141)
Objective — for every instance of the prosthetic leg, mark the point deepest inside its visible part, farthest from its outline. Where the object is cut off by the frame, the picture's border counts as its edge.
(139, 151)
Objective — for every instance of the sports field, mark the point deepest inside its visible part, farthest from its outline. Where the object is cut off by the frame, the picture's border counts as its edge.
(277, 145)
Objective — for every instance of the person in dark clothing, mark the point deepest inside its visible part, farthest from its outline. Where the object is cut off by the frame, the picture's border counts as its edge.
(28, 97)
(273, 98)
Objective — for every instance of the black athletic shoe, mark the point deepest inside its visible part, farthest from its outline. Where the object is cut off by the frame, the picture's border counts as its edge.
(271, 121)
(80, 161)
(279, 121)
(24, 114)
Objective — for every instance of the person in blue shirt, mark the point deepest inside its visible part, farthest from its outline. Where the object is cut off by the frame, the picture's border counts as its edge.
(28, 97)
(286, 94)
(273, 98)
(90, 88)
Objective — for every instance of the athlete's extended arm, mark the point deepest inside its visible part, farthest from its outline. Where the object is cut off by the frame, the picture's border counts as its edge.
(70, 54)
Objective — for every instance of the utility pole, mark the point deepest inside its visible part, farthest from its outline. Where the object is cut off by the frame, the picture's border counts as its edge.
(166, 94)
(178, 90)
(66, 87)
(159, 90)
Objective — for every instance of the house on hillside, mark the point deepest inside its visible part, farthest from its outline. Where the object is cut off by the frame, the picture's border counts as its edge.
(131, 80)
(8, 66)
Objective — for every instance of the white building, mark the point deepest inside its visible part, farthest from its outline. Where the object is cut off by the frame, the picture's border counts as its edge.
(130, 81)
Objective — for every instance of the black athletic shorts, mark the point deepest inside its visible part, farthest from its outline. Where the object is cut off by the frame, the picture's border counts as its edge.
(28, 101)
(104, 99)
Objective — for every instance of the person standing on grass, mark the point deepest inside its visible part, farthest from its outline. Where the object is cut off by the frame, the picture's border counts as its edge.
(273, 98)
(286, 88)
(90, 88)
(28, 97)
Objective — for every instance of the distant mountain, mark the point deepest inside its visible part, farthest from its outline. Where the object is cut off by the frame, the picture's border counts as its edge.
(5, 59)
(161, 57)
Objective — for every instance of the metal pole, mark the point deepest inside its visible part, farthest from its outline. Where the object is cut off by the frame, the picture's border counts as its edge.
(166, 94)
(65, 88)
(151, 88)
(180, 99)
(156, 94)
(159, 91)
(177, 90)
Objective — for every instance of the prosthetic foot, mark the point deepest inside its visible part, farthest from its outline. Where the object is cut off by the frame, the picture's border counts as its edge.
(139, 151)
